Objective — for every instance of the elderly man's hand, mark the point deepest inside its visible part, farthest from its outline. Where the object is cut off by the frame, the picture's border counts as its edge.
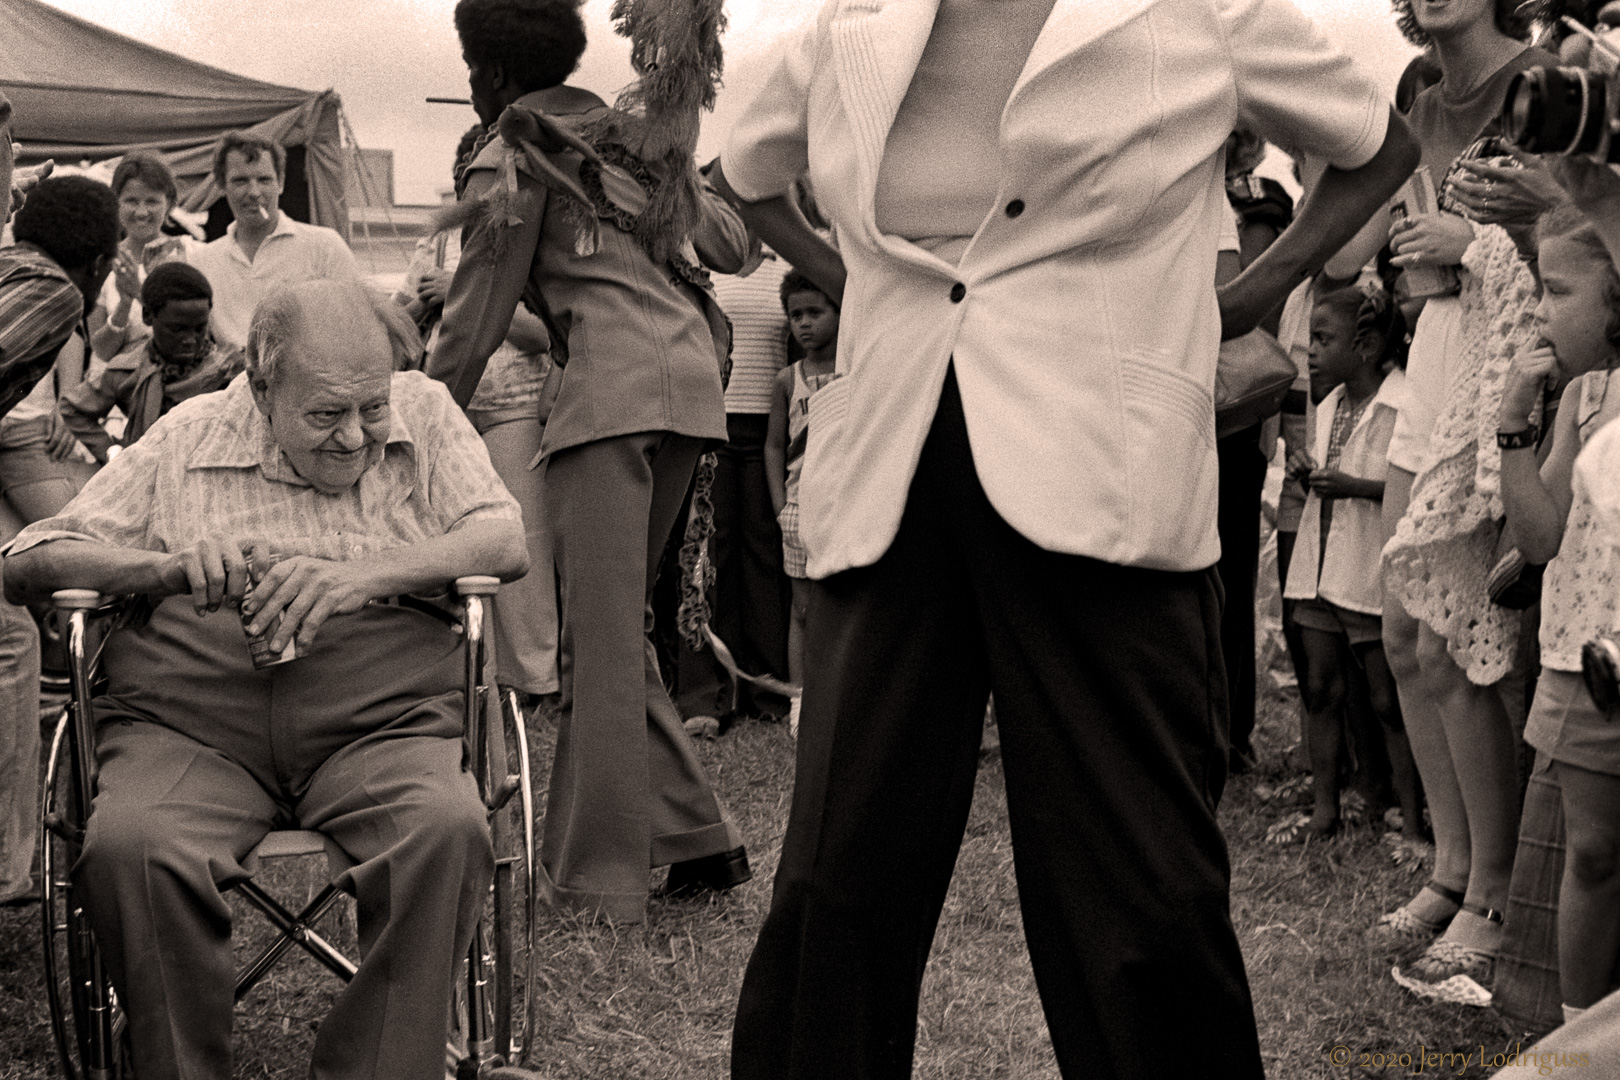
(213, 571)
(305, 592)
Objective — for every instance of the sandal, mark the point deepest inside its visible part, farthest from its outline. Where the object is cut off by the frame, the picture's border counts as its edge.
(1296, 829)
(1403, 925)
(1446, 959)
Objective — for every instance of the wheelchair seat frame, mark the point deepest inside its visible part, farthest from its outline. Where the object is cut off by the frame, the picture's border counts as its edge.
(494, 1002)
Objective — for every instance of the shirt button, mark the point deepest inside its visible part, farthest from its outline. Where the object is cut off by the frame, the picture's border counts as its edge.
(1015, 208)
(958, 291)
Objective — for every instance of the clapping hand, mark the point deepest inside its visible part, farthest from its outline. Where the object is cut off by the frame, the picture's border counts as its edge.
(25, 180)
(127, 277)
(1508, 195)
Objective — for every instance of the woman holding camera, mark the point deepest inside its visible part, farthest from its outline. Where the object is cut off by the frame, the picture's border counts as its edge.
(1447, 645)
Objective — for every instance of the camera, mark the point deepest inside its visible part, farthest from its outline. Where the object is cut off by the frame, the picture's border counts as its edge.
(1568, 111)
(1600, 665)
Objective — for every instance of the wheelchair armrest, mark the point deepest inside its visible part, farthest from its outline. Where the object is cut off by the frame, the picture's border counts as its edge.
(77, 599)
(477, 585)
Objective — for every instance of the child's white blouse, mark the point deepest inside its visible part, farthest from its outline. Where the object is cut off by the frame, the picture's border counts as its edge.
(1578, 600)
(1348, 573)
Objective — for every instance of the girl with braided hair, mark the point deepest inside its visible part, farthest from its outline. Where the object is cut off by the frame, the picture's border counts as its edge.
(1357, 346)
(594, 218)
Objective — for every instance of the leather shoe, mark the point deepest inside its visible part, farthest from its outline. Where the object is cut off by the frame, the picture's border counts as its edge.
(717, 873)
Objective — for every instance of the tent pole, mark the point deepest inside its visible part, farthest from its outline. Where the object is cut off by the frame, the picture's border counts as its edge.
(367, 184)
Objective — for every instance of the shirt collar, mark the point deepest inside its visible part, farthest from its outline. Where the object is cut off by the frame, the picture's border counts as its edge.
(239, 437)
(284, 227)
(561, 100)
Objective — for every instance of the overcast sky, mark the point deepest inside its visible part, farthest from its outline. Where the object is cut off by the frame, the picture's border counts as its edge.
(385, 56)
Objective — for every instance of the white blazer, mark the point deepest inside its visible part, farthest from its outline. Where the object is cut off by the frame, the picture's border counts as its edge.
(1085, 328)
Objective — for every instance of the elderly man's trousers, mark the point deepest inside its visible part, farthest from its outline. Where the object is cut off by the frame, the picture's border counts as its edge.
(627, 790)
(203, 756)
(1110, 699)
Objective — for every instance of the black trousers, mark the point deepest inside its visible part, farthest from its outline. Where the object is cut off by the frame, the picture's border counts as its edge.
(751, 593)
(1110, 700)
(1243, 476)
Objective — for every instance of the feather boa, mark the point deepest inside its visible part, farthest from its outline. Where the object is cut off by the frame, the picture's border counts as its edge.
(675, 49)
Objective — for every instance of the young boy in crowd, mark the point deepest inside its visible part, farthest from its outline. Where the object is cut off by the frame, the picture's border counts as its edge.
(1356, 339)
(813, 323)
(180, 360)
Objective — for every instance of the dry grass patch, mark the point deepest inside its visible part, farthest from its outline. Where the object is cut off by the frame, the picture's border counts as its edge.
(656, 1000)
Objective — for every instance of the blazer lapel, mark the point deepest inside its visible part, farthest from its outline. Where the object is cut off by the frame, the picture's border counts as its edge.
(1072, 25)
(876, 45)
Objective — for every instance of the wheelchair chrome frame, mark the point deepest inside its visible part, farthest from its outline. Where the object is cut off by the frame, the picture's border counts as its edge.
(489, 1039)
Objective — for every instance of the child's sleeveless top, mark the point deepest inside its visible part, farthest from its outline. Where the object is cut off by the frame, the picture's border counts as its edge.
(804, 388)
(1578, 591)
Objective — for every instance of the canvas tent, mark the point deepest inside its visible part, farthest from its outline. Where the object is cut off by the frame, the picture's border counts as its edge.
(81, 91)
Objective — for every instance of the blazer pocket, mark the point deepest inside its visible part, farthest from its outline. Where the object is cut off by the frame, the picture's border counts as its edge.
(1170, 432)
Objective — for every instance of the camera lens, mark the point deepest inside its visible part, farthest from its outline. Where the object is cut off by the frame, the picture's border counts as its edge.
(1555, 111)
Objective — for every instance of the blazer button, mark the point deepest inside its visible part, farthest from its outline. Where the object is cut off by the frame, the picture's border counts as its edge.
(958, 291)
(1015, 208)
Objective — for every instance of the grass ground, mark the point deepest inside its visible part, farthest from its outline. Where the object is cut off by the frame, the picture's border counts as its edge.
(655, 1001)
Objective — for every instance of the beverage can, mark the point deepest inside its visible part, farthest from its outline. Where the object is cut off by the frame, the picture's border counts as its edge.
(259, 644)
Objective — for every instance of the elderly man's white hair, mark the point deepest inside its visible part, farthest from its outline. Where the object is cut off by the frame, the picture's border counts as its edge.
(277, 319)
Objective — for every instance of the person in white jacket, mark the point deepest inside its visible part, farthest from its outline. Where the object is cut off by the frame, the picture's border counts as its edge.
(1012, 486)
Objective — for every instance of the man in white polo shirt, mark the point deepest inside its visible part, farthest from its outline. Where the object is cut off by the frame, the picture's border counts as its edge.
(263, 248)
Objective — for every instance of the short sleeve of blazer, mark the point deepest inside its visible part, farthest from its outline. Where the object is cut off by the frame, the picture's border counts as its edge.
(769, 144)
(1296, 88)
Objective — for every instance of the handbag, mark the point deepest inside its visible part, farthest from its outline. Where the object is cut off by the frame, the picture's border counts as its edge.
(1515, 582)
(1252, 378)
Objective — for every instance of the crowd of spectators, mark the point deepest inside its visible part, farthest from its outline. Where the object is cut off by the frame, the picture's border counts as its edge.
(1446, 530)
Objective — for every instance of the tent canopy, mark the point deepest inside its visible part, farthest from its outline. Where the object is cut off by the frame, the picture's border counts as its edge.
(81, 91)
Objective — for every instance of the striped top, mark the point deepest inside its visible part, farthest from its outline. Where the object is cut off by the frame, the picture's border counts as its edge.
(211, 467)
(39, 308)
(758, 334)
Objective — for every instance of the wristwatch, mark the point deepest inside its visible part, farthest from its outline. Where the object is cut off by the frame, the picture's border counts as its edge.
(1518, 440)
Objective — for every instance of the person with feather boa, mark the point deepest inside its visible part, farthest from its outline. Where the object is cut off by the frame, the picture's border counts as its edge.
(593, 216)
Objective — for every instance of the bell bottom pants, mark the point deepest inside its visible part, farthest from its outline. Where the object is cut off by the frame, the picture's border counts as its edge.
(627, 790)
(1110, 699)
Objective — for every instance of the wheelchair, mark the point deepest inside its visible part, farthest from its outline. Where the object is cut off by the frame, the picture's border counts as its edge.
(490, 1017)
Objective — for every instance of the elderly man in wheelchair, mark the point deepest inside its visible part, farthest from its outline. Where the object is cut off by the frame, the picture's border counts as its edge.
(317, 484)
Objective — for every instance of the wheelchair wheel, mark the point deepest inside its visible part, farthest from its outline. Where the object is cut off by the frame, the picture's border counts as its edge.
(92, 1037)
(505, 935)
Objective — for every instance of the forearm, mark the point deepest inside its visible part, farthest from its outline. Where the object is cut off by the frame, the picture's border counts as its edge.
(1533, 516)
(528, 334)
(779, 223)
(1361, 488)
(495, 261)
(87, 428)
(32, 576)
(492, 547)
(1333, 213)
(107, 340)
(1344, 265)
(721, 239)
(776, 477)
